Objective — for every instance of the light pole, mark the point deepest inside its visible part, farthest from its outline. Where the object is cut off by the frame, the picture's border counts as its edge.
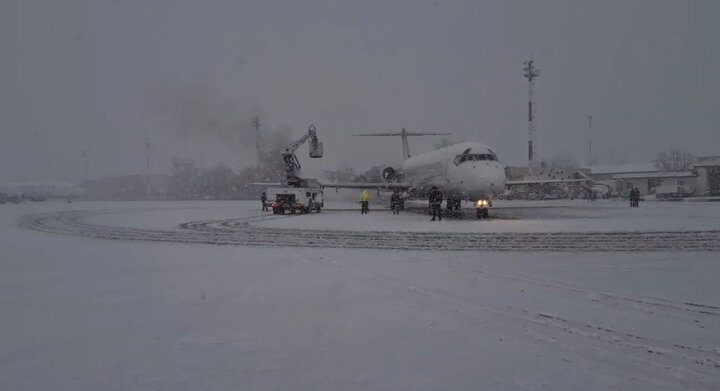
(147, 167)
(257, 124)
(84, 155)
(590, 159)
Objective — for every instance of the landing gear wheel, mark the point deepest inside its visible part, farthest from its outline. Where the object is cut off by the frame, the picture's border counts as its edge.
(453, 204)
(481, 213)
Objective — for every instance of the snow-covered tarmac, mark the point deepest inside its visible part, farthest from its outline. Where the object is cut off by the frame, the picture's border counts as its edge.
(559, 226)
(86, 314)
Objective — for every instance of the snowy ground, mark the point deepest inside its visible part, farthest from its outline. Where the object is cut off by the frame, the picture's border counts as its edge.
(85, 314)
(529, 217)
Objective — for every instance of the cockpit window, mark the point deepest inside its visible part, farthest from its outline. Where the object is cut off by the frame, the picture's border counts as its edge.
(474, 157)
(493, 154)
(484, 156)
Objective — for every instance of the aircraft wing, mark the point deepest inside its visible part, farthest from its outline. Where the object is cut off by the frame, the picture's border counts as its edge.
(369, 185)
(541, 181)
(402, 186)
(269, 184)
(580, 178)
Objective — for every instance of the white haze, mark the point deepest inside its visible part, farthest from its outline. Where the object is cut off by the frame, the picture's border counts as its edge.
(75, 75)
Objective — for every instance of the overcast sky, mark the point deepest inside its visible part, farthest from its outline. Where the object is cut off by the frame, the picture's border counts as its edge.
(75, 74)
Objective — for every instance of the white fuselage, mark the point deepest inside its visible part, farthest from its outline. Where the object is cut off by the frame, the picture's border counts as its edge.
(468, 170)
(42, 189)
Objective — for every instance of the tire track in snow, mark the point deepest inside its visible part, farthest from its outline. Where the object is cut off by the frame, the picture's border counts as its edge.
(647, 301)
(403, 240)
(648, 346)
(242, 232)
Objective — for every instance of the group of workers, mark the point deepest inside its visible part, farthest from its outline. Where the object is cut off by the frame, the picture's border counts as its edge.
(435, 197)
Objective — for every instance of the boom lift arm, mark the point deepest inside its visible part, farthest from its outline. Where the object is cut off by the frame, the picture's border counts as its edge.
(292, 165)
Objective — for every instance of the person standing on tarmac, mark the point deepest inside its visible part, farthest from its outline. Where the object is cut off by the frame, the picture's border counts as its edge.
(263, 198)
(435, 197)
(395, 202)
(634, 196)
(364, 201)
(637, 197)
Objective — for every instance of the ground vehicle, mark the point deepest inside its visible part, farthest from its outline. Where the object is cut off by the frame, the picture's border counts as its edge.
(12, 198)
(298, 195)
(292, 165)
(601, 190)
(482, 207)
(295, 199)
(673, 190)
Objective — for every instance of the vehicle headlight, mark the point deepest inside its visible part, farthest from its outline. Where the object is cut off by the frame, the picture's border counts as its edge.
(482, 203)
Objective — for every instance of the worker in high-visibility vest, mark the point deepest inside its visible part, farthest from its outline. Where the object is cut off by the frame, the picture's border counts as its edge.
(364, 201)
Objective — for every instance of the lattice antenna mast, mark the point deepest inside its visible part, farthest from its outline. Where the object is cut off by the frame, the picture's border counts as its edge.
(531, 73)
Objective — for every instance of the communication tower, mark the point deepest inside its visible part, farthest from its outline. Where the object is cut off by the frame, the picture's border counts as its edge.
(531, 73)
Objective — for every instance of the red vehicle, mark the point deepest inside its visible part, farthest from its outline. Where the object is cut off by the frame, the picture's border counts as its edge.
(295, 200)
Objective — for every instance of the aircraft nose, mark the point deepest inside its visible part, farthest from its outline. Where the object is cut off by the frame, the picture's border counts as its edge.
(492, 176)
(501, 173)
(497, 180)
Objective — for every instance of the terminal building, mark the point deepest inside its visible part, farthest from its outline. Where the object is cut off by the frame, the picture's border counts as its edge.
(701, 180)
(707, 169)
(661, 183)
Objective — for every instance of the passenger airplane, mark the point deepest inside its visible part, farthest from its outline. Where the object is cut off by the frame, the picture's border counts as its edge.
(464, 171)
(40, 191)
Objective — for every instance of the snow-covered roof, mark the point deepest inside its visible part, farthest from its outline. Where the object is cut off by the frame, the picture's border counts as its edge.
(657, 174)
(622, 168)
(702, 161)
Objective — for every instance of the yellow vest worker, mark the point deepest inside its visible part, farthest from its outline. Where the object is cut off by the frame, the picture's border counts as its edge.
(365, 196)
(364, 201)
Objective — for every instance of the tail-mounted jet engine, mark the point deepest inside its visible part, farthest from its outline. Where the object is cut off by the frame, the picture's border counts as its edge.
(389, 174)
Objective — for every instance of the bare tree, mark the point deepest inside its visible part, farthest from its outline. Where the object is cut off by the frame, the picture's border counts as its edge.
(674, 160)
(560, 166)
(562, 162)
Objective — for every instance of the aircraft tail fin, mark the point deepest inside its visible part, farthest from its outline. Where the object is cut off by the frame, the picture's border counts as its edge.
(403, 135)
